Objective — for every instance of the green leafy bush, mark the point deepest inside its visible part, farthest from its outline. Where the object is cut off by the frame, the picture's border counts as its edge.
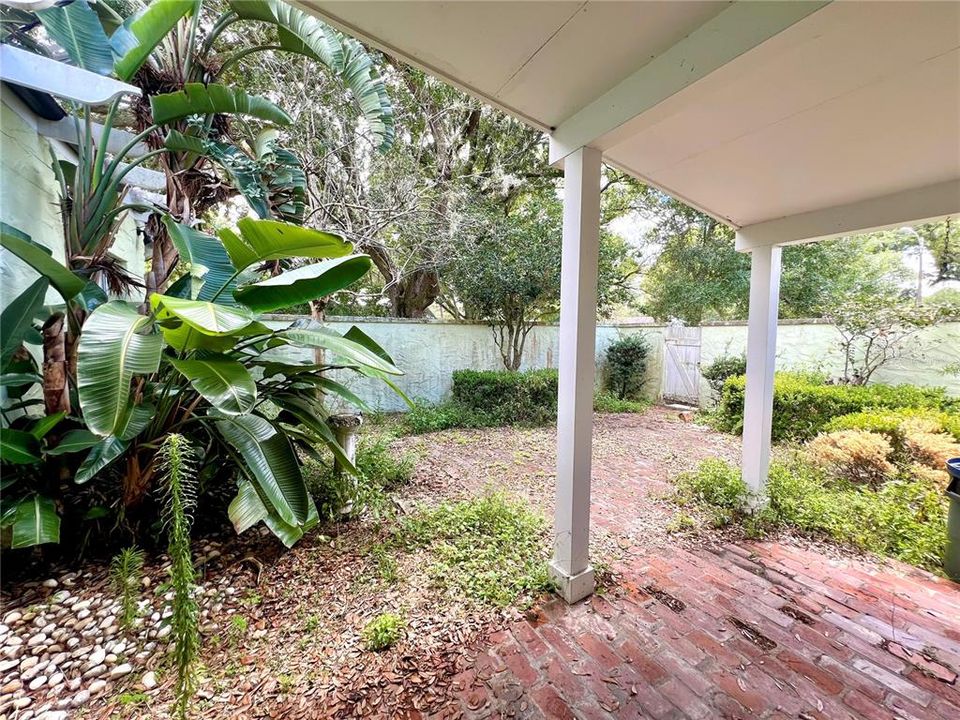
(426, 418)
(626, 366)
(715, 483)
(489, 398)
(802, 406)
(383, 632)
(510, 397)
(604, 402)
(904, 518)
(491, 548)
(380, 470)
(722, 368)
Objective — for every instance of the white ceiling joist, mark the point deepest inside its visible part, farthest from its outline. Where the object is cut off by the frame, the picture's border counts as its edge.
(908, 207)
(739, 28)
(65, 130)
(59, 79)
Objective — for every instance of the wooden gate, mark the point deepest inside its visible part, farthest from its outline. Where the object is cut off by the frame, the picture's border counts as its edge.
(681, 365)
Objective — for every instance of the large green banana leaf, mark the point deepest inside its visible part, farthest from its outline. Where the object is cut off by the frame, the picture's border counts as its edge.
(224, 383)
(117, 343)
(35, 522)
(207, 260)
(204, 317)
(271, 464)
(17, 318)
(75, 441)
(18, 447)
(100, 455)
(261, 240)
(289, 534)
(306, 412)
(198, 324)
(200, 99)
(310, 333)
(246, 509)
(367, 86)
(76, 28)
(303, 284)
(141, 33)
(302, 33)
(68, 284)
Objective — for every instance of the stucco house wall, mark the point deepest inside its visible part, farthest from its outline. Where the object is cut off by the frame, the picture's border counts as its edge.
(29, 200)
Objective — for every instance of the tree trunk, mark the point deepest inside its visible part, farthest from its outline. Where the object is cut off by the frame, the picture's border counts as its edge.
(56, 390)
(412, 295)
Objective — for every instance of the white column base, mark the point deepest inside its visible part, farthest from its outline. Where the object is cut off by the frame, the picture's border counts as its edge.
(573, 588)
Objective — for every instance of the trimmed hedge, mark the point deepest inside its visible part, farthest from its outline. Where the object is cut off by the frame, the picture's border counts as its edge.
(508, 397)
(802, 407)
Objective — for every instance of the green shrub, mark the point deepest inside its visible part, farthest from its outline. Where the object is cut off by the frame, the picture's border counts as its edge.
(426, 418)
(891, 423)
(802, 407)
(904, 518)
(722, 368)
(380, 470)
(715, 483)
(382, 632)
(604, 402)
(492, 548)
(510, 397)
(626, 366)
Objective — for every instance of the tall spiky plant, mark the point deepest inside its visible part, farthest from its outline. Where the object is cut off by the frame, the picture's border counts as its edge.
(126, 569)
(177, 468)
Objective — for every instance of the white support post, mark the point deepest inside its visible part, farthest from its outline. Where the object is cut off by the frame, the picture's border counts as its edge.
(570, 567)
(761, 359)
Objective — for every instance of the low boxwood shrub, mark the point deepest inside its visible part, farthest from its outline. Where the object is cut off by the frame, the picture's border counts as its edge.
(894, 424)
(855, 455)
(510, 397)
(803, 405)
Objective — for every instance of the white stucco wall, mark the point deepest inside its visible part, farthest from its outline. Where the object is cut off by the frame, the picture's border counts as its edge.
(815, 346)
(429, 351)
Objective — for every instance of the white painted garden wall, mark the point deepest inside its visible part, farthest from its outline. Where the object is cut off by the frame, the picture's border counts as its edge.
(429, 351)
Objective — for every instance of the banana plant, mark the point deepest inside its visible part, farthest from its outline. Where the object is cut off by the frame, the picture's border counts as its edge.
(202, 361)
(178, 45)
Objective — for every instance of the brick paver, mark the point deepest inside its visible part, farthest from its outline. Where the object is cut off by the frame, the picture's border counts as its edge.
(751, 630)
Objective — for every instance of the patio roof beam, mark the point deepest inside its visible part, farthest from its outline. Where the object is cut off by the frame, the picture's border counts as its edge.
(911, 206)
(613, 116)
(570, 567)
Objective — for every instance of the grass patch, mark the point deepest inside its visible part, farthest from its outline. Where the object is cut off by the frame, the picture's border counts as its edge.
(383, 632)
(490, 548)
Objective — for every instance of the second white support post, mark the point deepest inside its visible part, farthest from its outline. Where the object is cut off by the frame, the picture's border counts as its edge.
(761, 361)
(570, 567)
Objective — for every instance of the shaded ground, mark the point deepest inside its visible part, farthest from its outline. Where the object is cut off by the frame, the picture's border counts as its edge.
(692, 625)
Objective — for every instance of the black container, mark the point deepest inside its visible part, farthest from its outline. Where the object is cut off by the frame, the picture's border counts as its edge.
(951, 560)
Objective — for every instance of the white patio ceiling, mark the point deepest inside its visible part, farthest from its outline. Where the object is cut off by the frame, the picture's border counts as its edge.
(821, 113)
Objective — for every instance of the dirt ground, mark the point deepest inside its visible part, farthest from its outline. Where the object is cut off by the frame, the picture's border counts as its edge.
(282, 628)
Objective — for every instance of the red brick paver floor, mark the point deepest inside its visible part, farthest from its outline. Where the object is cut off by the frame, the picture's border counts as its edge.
(752, 630)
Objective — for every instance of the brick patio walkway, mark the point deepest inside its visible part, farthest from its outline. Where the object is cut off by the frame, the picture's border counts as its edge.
(758, 630)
